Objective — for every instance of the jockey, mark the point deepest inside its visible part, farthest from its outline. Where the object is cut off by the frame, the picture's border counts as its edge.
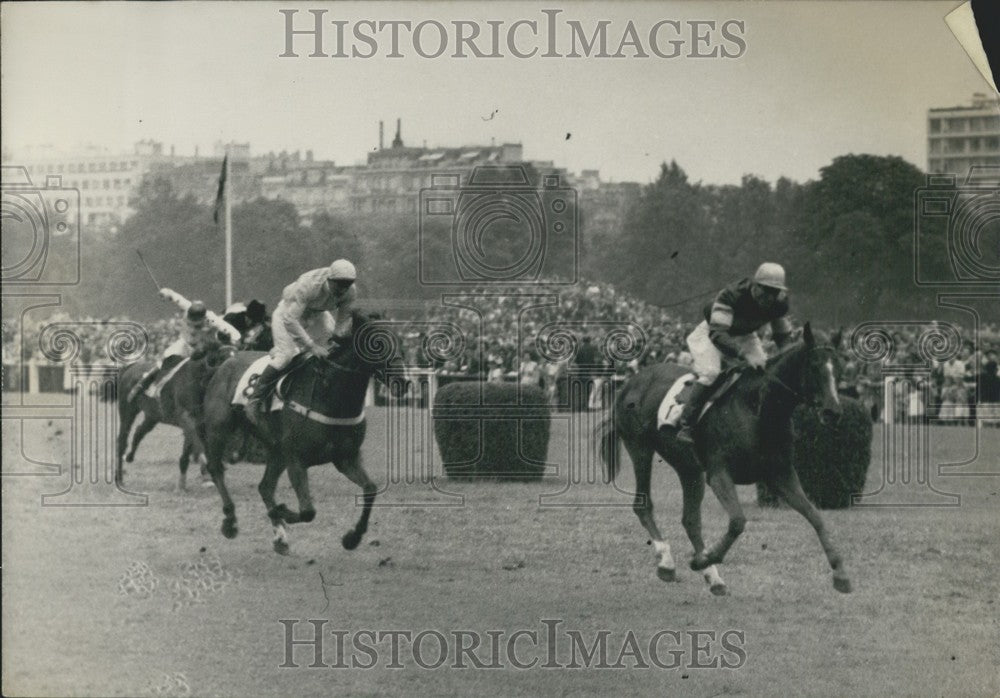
(313, 310)
(258, 336)
(203, 331)
(729, 328)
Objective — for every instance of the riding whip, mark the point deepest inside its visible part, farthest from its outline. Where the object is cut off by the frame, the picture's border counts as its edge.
(148, 270)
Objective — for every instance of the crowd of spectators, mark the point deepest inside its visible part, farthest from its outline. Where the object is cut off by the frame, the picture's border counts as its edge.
(591, 331)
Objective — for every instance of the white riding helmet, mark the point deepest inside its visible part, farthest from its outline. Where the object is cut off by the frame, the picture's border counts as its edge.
(771, 274)
(342, 270)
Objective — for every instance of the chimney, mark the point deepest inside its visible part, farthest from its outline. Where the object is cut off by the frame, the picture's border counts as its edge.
(381, 135)
(309, 156)
(196, 151)
(397, 142)
(171, 151)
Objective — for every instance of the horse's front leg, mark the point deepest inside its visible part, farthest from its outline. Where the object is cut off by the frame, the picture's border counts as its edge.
(693, 484)
(722, 484)
(355, 472)
(789, 488)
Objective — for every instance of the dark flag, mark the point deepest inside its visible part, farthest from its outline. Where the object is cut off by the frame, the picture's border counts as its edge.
(222, 190)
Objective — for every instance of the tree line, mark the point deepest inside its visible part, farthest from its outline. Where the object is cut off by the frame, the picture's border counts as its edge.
(845, 238)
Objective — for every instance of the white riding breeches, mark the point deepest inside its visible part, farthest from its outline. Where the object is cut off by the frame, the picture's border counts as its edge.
(319, 326)
(708, 358)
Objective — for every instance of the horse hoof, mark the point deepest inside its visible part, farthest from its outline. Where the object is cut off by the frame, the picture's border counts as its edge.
(667, 575)
(700, 562)
(351, 540)
(229, 529)
(842, 584)
(307, 515)
(281, 547)
(129, 458)
(719, 589)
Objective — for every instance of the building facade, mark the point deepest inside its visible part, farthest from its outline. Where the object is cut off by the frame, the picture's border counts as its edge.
(961, 137)
(389, 182)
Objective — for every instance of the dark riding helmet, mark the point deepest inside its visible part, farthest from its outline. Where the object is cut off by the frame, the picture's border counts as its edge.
(197, 311)
(256, 311)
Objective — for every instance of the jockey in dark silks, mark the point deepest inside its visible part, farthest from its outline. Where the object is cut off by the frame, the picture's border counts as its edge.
(203, 333)
(252, 322)
(729, 329)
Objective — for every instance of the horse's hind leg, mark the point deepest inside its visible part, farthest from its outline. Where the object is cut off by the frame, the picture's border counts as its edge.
(642, 505)
(693, 484)
(721, 483)
(183, 463)
(788, 486)
(275, 512)
(355, 472)
(298, 475)
(215, 448)
(147, 425)
(126, 417)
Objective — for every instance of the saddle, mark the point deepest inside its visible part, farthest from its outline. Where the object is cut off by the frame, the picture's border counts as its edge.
(673, 402)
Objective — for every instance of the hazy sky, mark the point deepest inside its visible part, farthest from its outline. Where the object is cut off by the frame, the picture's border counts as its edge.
(816, 80)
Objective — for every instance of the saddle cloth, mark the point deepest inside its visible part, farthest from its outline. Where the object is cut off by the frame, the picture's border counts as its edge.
(673, 402)
(256, 368)
(153, 390)
(243, 385)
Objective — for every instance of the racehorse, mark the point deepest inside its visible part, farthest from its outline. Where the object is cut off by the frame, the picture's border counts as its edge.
(177, 405)
(322, 420)
(745, 437)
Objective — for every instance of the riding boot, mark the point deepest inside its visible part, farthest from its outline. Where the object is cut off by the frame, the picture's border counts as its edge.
(147, 380)
(257, 400)
(695, 401)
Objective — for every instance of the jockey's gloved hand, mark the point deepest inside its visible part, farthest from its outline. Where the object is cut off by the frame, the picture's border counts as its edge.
(319, 351)
(756, 362)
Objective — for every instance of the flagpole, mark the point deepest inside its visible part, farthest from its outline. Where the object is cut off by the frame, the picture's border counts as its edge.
(229, 233)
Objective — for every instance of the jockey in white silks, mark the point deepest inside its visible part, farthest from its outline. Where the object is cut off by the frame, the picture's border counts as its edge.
(202, 330)
(313, 310)
(730, 329)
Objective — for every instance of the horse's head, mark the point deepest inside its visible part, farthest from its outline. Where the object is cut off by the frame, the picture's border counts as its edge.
(807, 369)
(818, 381)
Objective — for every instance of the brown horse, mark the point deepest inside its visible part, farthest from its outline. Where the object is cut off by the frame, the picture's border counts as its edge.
(744, 438)
(322, 421)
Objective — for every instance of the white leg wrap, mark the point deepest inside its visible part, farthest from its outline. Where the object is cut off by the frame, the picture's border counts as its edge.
(280, 533)
(662, 548)
(712, 576)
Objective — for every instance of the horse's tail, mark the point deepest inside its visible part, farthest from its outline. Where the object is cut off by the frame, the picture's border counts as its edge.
(607, 443)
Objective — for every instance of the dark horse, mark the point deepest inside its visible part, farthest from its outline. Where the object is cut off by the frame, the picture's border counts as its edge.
(321, 421)
(178, 405)
(744, 438)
